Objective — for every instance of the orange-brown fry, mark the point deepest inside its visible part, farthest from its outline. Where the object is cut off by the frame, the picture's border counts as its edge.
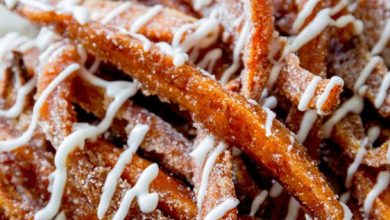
(349, 133)
(220, 184)
(293, 80)
(255, 55)
(57, 114)
(363, 183)
(313, 139)
(348, 61)
(162, 142)
(91, 165)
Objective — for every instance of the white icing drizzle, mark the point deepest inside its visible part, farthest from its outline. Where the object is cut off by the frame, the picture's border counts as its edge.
(276, 190)
(374, 61)
(307, 123)
(308, 94)
(206, 34)
(256, 203)
(145, 41)
(356, 163)
(10, 42)
(219, 211)
(61, 216)
(270, 102)
(304, 14)
(199, 154)
(8, 145)
(209, 60)
(81, 14)
(273, 76)
(115, 12)
(373, 133)
(135, 139)
(236, 54)
(269, 121)
(333, 82)
(291, 145)
(179, 56)
(10, 3)
(352, 6)
(382, 183)
(22, 93)
(312, 30)
(38, 4)
(293, 209)
(355, 104)
(55, 48)
(144, 19)
(206, 174)
(136, 25)
(381, 96)
(236, 151)
(383, 40)
(322, 20)
(340, 6)
(199, 4)
(121, 92)
(343, 21)
(147, 201)
(44, 38)
(388, 152)
(346, 211)
(345, 197)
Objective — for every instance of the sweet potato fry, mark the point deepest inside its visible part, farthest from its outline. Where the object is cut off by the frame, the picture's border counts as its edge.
(175, 199)
(220, 185)
(162, 141)
(293, 80)
(348, 134)
(57, 114)
(348, 62)
(362, 185)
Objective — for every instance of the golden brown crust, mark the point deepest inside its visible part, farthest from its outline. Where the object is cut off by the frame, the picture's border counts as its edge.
(313, 139)
(57, 114)
(348, 61)
(220, 184)
(363, 183)
(349, 133)
(313, 55)
(162, 142)
(161, 28)
(256, 53)
(373, 14)
(293, 81)
(187, 86)
(175, 199)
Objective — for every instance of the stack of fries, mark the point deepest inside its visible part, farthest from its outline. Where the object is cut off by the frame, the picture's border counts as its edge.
(196, 109)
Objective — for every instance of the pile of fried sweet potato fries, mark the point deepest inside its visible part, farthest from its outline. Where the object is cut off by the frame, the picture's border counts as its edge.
(196, 109)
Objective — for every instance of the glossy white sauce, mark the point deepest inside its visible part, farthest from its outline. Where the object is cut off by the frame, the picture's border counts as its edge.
(382, 182)
(308, 94)
(308, 120)
(219, 211)
(199, 154)
(136, 137)
(256, 203)
(210, 162)
(356, 163)
(147, 201)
